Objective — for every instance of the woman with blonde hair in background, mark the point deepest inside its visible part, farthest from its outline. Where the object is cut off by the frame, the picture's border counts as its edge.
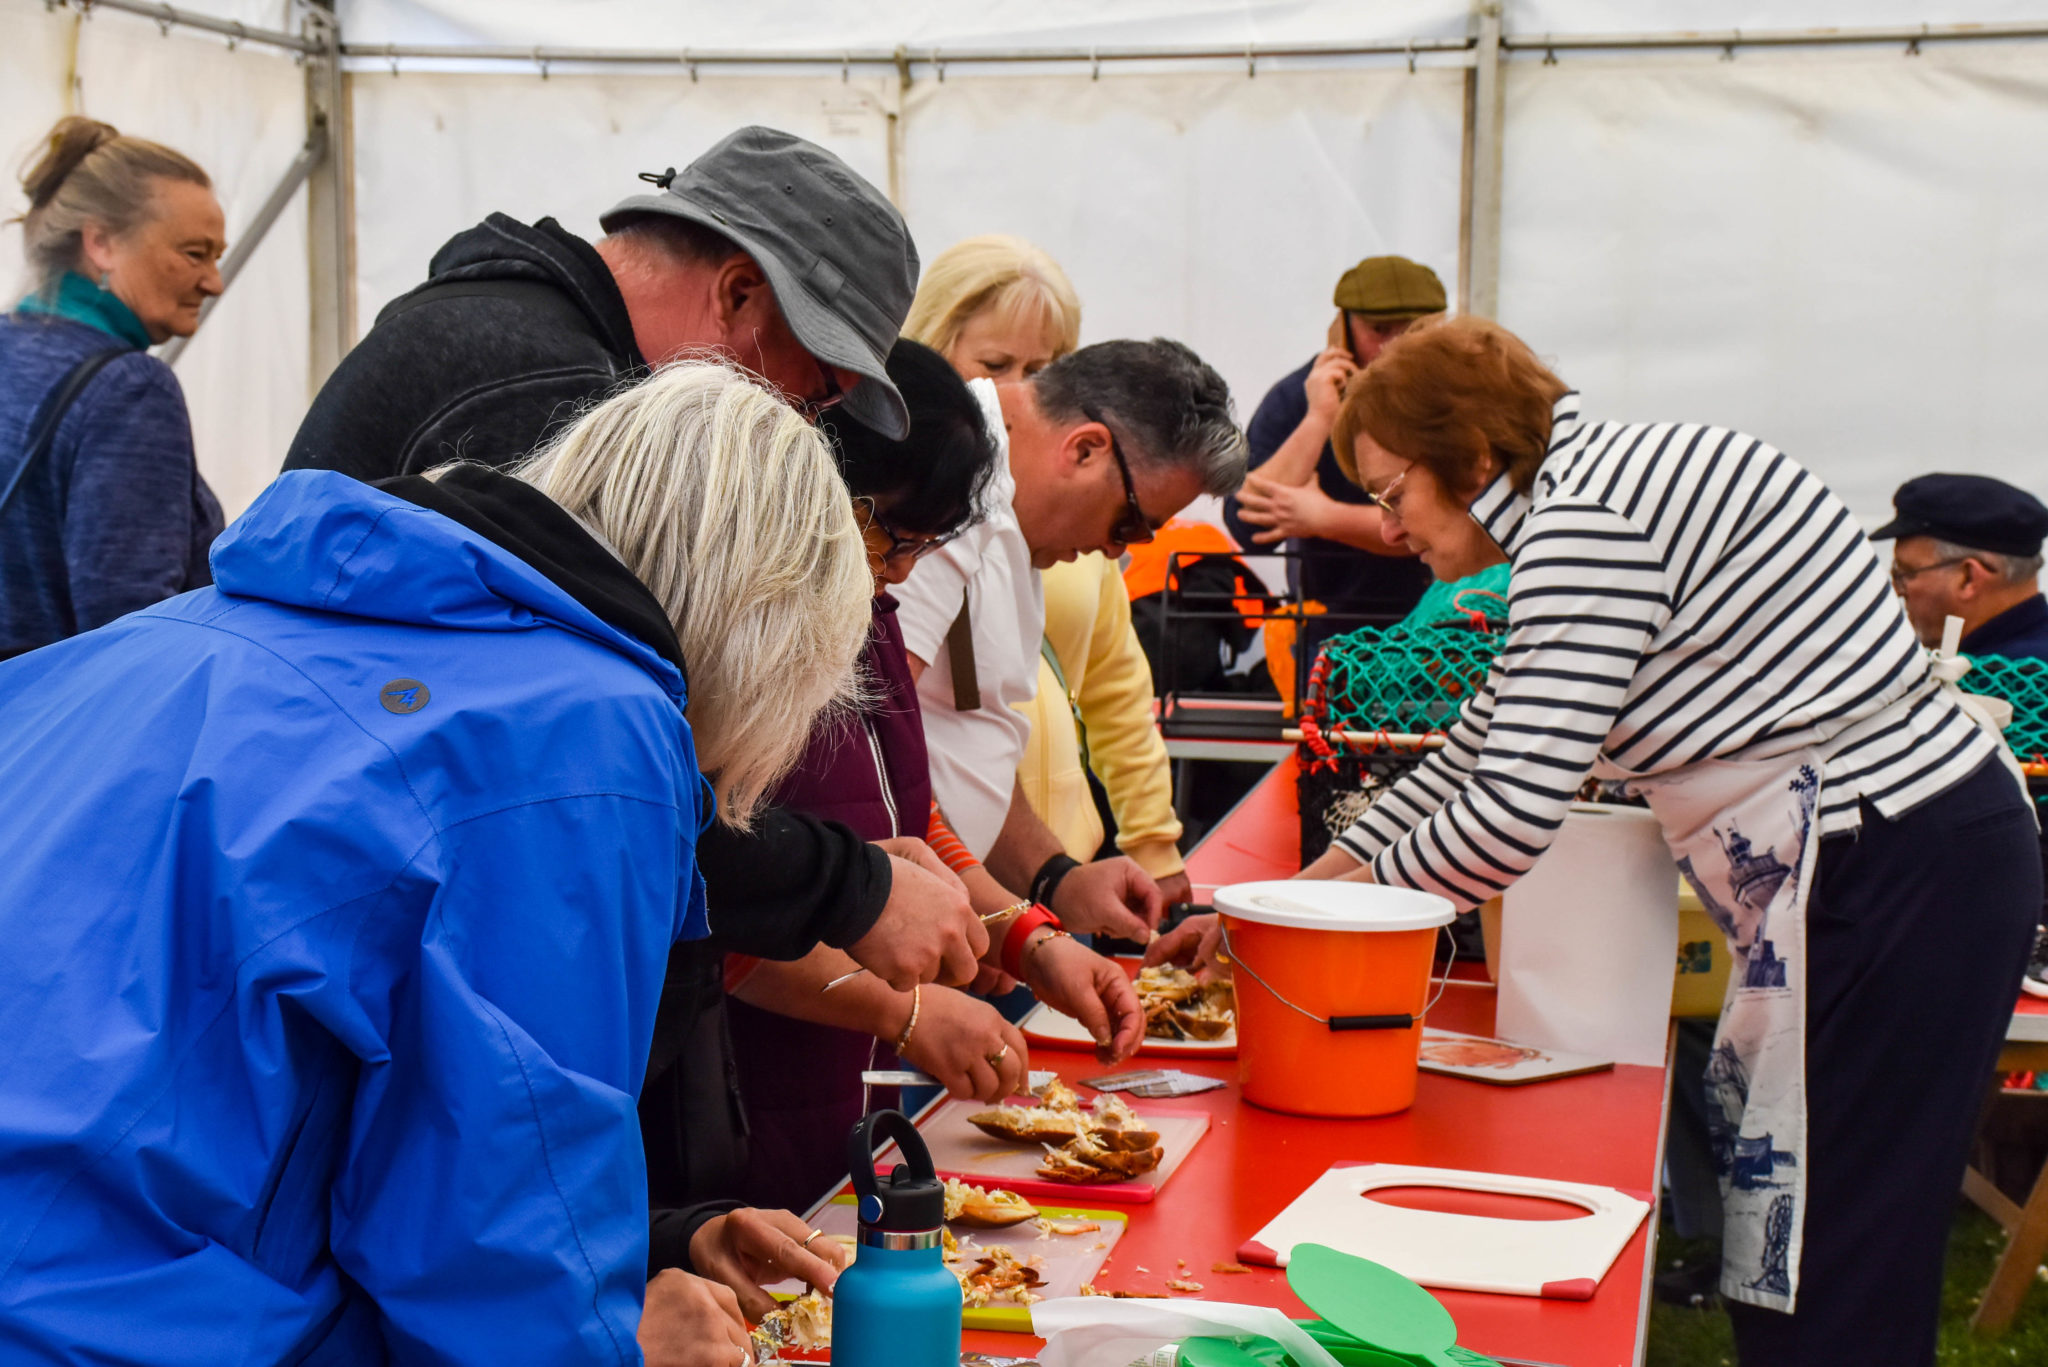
(370, 861)
(102, 509)
(1000, 308)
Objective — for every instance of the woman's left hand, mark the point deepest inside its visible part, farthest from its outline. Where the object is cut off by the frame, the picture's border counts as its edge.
(1070, 977)
(747, 1249)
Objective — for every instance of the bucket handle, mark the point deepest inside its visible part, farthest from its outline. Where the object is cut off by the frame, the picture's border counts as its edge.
(1400, 1021)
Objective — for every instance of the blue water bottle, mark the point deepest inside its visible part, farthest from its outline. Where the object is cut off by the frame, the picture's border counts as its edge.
(897, 1305)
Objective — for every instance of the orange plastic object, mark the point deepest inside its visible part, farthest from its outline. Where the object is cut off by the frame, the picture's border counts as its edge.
(1288, 1062)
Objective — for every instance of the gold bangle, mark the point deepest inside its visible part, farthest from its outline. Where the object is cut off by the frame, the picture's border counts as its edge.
(1014, 909)
(916, 1001)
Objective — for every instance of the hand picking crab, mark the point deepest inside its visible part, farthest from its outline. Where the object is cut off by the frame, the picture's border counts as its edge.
(1178, 1005)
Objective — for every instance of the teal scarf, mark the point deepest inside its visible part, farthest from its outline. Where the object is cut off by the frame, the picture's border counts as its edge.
(81, 301)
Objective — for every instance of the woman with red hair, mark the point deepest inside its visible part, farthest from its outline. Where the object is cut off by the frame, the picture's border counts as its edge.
(1696, 615)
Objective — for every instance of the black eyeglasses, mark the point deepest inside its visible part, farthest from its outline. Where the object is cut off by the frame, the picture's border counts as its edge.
(916, 547)
(1132, 527)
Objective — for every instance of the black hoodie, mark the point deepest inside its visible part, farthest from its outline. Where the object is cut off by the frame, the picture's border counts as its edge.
(516, 330)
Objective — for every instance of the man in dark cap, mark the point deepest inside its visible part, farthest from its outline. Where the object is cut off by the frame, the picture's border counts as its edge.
(1969, 546)
(1298, 494)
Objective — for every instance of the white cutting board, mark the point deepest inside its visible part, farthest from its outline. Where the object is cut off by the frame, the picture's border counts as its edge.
(1562, 1259)
(1058, 1030)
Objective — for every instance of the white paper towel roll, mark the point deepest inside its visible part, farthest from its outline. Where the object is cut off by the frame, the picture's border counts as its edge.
(1589, 939)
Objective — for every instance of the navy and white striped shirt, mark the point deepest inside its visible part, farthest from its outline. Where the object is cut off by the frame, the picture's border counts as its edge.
(1679, 593)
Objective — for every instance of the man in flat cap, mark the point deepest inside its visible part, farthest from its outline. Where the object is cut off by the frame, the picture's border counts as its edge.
(1969, 546)
(1298, 494)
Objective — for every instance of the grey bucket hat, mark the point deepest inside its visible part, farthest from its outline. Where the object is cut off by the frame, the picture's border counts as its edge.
(834, 249)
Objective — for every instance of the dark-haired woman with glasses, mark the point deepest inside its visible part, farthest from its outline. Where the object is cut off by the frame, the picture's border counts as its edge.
(798, 1047)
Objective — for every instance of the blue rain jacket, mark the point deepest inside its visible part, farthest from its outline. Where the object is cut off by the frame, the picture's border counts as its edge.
(324, 1021)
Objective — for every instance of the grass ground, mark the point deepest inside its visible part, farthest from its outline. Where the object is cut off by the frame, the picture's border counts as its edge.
(1701, 1338)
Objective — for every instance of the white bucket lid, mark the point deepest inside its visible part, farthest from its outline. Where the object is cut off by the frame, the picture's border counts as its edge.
(1315, 904)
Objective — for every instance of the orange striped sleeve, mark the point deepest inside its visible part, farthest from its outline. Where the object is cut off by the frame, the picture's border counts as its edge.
(948, 846)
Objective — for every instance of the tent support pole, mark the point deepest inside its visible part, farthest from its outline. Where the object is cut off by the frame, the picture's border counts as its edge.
(168, 17)
(330, 201)
(1479, 238)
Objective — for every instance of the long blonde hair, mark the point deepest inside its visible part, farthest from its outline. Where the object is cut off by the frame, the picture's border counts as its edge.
(725, 503)
(999, 273)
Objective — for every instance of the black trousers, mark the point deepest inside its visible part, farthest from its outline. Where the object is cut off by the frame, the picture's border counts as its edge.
(1917, 932)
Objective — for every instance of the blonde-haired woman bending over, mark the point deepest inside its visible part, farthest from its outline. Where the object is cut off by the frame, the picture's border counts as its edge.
(371, 858)
(1000, 308)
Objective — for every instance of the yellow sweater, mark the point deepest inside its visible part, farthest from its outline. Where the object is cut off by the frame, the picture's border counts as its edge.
(1088, 622)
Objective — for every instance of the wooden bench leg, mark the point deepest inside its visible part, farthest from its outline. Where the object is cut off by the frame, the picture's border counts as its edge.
(2016, 1267)
(1989, 1199)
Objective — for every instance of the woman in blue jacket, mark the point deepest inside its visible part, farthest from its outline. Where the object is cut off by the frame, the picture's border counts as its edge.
(339, 894)
(102, 509)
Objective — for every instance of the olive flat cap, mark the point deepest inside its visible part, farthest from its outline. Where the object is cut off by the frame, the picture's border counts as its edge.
(1975, 511)
(833, 247)
(1391, 288)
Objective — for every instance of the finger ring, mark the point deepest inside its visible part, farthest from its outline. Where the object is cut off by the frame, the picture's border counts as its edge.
(998, 1056)
(815, 1234)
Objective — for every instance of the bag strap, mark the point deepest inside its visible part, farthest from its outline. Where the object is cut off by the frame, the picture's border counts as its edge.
(960, 656)
(44, 434)
(1052, 662)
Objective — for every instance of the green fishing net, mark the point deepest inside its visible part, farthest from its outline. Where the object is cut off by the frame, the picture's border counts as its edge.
(2024, 684)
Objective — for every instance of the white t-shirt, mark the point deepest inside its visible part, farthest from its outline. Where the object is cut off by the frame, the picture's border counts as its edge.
(974, 755)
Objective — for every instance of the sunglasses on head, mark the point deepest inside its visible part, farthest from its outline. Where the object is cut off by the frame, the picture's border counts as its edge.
(1132, 527)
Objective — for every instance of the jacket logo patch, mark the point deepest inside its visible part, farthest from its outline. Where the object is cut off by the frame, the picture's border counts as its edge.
(403, 696)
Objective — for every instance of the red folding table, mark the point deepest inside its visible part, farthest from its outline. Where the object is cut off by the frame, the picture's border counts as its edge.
(1603, 1128)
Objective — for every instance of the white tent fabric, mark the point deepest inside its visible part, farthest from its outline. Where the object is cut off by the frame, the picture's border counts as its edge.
(1160, 194)
(791, 25)
(1842, 252)
(1837, 248)
(239, 114)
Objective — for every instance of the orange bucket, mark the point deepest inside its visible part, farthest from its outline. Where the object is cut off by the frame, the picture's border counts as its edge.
(1332, 982)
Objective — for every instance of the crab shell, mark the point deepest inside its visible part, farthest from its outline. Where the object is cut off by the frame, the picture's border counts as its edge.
(982, 1210)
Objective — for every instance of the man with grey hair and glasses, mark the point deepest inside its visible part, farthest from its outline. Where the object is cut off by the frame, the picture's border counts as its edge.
(1969, 546)
(1103, 446)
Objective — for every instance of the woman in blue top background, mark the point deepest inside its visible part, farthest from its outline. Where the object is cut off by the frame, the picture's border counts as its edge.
(338, 896)
(123, 238)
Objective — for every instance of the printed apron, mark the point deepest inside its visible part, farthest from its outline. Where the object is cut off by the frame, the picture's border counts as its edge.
(1744, 836)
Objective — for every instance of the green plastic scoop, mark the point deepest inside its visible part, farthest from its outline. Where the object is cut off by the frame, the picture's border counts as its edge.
(1372, 1316)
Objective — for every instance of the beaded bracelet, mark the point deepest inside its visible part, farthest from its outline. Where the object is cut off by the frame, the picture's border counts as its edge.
(1037, 945)
(916, 1001)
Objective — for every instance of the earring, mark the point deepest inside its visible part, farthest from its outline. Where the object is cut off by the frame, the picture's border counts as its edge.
(105, 276)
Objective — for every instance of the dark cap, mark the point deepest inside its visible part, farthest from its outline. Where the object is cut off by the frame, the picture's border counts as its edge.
(834, 249)
(1390, 288)
(1975, 511)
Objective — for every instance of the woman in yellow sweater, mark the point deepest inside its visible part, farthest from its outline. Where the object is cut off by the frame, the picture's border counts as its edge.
(999, 307)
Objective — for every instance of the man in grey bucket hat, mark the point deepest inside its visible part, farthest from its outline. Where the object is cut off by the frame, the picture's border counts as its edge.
(767, 249)
(836, 253)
